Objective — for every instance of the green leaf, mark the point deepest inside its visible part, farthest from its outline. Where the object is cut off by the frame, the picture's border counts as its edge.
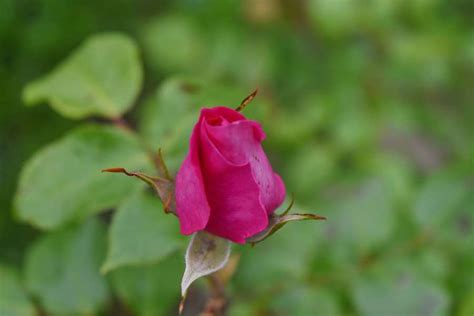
(102, 77)
(63, 181)
(283, 258)
(462, 278)
(319, 162)
(206, 254)
(13, 299)
(151, 290)
(439, 199)
(62, 270)
(141, 233)
(168, 118)
(413, 298)
(363, 220)
(433, 263)
(398, 173)
(352, 127)
(173, 42)
(303, 300)
(397, 288)
(242, 308)
(467, 305)
(458, 232)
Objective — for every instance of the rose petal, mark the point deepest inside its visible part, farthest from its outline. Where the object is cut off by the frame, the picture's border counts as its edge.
(227, 114)
(233, 194)
(240, 143)
(192, 206)
(278, 194)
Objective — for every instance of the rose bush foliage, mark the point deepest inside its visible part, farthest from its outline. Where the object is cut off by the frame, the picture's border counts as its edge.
(368, 118)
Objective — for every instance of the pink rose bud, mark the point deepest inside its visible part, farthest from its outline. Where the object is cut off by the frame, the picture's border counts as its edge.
(226, 184)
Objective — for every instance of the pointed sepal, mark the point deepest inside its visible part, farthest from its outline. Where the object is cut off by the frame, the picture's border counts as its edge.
(247, 100)
(276, 222)
(206, 254)
(163, 187)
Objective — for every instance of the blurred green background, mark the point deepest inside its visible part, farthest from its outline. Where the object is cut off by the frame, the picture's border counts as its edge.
(369, 114)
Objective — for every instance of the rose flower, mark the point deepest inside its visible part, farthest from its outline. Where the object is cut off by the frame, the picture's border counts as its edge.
(226, 185)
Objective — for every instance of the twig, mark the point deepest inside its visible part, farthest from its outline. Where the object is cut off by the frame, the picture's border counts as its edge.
(120, 122)
(218, 302)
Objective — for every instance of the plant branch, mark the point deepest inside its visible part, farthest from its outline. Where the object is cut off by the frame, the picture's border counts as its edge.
(218, 302)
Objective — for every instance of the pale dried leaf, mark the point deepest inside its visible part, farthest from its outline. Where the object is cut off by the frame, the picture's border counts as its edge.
(206, 254)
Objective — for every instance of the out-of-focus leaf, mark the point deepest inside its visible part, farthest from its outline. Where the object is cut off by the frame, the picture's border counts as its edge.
(283, 258)
(351, 124)
(174, 42)
(407, 297)
(439, 198)
(63, 181)
(341, 17)
(433, 264)
(363, 220)
(397, 173)
(422, 58)
(141, 233)
(302, 300)
(62, 270)
(396, 286)
(457, 233)
(333, 16)
(206, 254)
(168, 117)
(462, 278)
(230, 54)
(13, 299)
(151, 290)
(467, 305)
(102, 77)
(313, 119)
(316, 160)
(242, 308)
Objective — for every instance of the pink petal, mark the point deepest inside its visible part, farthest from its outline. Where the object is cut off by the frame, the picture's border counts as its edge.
(226, 185)
(240, 143)
(233, 194)
(223, 112)
(279, 194)
(192, 206)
